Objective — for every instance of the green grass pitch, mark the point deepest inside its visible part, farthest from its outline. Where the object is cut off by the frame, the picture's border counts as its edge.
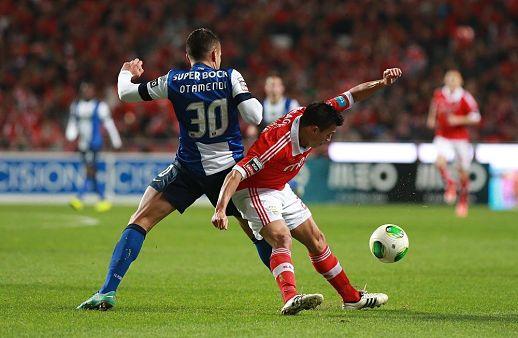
(460, 277)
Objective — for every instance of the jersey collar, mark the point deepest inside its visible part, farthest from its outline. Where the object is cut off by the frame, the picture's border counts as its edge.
(452, 97)
(201, 66)
(296, 148)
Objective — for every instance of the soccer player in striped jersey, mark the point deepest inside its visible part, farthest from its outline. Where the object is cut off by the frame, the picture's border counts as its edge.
(258, 187)
(207, 101)
(87, 116)
(276, 104)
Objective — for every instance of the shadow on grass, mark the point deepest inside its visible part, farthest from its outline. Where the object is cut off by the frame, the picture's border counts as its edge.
(409, 315)
(43, 296)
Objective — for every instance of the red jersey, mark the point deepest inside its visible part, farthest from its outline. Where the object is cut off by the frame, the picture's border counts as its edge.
(459, 103)
(276, 157)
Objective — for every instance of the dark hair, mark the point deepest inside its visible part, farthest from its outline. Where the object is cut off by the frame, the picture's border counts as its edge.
(200, 42)
(322, 115)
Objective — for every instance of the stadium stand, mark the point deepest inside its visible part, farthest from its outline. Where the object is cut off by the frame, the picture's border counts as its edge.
(319, 48)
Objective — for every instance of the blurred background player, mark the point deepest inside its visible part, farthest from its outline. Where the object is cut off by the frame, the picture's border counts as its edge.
(86, 117)
(276, 104)
(452, 110)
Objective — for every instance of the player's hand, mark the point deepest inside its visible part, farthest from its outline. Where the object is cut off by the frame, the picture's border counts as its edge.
(454, 120)
(391, 75)
(220, 220)
(135, 68)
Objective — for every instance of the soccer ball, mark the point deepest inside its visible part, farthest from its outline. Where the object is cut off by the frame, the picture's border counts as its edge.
(389, 243)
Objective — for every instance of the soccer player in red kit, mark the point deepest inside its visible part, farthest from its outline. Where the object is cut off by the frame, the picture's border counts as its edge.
(258, 187)
(452, 110)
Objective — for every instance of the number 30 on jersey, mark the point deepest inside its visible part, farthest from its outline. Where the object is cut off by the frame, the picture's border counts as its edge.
(206, 120)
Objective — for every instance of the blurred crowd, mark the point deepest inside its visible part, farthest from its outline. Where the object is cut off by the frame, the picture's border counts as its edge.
(319, 48)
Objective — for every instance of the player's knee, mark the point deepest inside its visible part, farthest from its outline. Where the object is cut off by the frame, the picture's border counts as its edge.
(143, 219)
(317, 243)
(440, 162)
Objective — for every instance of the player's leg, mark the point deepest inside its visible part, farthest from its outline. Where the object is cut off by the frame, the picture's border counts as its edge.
(170, 190)
(152, 208)
(323, 259)
(278, 236)
(304, 229)
(77, 202)
(264, 249)
(463, 157)
(102, 205)
(263, 210)
(444, 147)
(212, 187)
(326, 263)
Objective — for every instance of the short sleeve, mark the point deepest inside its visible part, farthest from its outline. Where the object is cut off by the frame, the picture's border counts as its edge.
(156, 89)
(240, 90)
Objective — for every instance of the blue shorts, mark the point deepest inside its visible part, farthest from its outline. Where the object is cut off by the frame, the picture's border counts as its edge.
(182, 188)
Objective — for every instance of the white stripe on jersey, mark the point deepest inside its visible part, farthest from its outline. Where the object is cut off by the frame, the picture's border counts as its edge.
(275, 148)
(215, 157)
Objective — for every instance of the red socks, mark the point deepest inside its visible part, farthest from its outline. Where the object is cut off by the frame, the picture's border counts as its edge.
(283, 272)
(445, 177)
(464, 190)
(327, 264)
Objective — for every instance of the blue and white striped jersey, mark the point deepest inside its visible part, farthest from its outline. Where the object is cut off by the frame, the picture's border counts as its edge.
(206, 104)
(273, 111)
(86, 118)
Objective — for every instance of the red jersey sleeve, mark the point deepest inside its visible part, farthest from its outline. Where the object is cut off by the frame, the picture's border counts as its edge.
(341, 102)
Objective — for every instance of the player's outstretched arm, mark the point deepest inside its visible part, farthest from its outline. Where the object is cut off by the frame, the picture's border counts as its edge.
(364, 90)
(146, 91)
(228, 189)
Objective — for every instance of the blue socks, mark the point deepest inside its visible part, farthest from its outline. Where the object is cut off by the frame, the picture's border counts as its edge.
(99, 188)
(125, 252)
(264, 250)
(84, 188)
(88, 184)
(128, 248)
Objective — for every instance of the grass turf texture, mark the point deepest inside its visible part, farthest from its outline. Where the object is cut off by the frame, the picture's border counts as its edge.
(460, 276)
